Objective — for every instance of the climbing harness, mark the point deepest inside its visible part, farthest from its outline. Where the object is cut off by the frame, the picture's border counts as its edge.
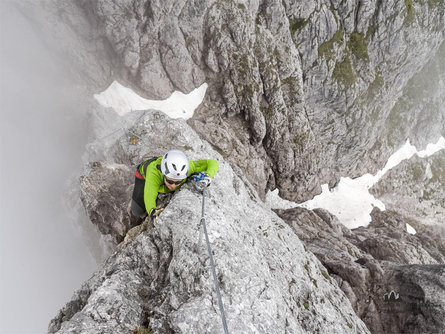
(212, 264)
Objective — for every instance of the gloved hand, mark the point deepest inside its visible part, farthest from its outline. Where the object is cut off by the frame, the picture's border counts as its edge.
(201, 180)
(206, 179)
(154, 213)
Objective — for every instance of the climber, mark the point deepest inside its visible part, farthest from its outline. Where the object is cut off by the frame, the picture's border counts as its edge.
(164, 175)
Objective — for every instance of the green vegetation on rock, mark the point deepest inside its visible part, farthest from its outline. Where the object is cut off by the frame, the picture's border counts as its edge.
(327, 48)
(410, 12)
(357, 44)
(296, 25)
(435, 3)
(375, 86)
(371, 31)
(417, 171)
(343, 73)
(326, 275)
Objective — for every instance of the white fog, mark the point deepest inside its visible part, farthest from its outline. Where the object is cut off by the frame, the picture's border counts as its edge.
(43, 257)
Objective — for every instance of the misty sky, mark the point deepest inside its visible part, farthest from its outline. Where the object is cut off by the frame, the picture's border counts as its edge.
(43, 259)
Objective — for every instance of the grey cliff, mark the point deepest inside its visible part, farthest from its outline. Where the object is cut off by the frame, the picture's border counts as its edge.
(161, 280)
(415, 189)
(313, 88)
(393, 279)
(299, 94)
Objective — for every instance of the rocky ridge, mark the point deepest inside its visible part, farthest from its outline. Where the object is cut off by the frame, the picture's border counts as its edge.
(311, 87)
(305, 92)
(414, 188)
(299, 94)
(161, 280)
(393, 279)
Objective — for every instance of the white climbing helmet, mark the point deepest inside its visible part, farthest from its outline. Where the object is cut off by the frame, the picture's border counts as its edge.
(175, 165)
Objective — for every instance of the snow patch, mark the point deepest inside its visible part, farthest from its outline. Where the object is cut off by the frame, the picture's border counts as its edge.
(124, 100)
(410, 229)
(432, 148)
(350, 200)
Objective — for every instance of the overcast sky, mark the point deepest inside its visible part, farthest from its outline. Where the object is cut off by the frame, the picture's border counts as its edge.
(43, 133)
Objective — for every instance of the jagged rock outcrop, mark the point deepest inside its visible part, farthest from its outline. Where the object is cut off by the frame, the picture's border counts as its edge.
(370, 262)
(415, 188)
(162, 281)
(421, 105)
(386, 238)
(299, 93)
(107, 205)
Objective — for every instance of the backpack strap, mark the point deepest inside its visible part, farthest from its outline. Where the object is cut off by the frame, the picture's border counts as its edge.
(144, 166)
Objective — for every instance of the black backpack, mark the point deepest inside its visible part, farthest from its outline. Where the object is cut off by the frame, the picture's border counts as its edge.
(145, 165)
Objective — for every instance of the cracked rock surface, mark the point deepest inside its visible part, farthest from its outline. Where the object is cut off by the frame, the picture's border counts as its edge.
(415, 189)
(370, 262)
(162, 281)
(299, 93)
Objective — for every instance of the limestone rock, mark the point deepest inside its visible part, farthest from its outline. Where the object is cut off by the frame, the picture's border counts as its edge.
(371, 262)
(107, 202)
(301, 93)
(156, 42)
(415, 188)
(421, 105)
(162, 280)
(386, 238)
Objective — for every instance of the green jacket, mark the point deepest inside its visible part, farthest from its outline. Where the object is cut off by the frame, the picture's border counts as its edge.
(154, 180)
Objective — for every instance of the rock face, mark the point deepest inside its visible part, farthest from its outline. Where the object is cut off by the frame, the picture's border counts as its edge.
(105, 204)
(299, 93)
(415, 188)
(162, 280)
(370, 263)
(422, 105)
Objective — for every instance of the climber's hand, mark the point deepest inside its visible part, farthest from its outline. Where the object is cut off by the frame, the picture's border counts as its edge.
(201, 180)
(206, 179)
(154, 213)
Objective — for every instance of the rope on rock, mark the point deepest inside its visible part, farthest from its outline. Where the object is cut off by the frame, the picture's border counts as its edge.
(212, 265)
(123, 127)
